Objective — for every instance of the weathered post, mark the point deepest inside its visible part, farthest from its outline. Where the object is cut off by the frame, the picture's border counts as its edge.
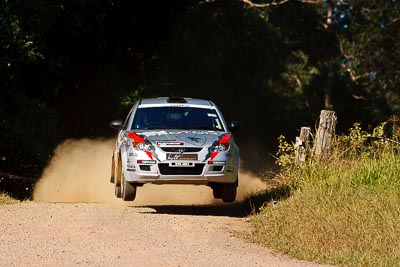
(325, 133)
(301, 147)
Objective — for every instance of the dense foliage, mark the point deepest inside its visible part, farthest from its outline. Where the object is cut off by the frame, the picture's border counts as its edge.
(67, 67)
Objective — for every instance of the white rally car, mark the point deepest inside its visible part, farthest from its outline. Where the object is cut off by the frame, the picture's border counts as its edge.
(175, 141)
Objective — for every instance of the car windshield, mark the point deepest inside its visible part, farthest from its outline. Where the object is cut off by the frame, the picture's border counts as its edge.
(176, 118)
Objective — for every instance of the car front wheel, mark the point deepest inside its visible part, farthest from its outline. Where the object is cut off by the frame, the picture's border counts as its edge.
(128, 191)
(117, 178)
(112, 170)
(117, 191)
(217, 191)
(229, 192)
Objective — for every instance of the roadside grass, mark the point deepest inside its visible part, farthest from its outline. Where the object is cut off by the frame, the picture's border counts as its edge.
(343, 210)
(6, 199)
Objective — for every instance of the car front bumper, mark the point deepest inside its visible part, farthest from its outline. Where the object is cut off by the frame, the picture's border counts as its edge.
(222, 169)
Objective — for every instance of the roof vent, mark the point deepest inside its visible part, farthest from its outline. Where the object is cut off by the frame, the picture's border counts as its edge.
(176, 100)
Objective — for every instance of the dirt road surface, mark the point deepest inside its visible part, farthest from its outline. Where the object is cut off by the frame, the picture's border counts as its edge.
(70, 234)
(75, 220)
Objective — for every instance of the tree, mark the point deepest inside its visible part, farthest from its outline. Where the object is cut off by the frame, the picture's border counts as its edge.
(360, 44)
(27, 126)
(368, 33)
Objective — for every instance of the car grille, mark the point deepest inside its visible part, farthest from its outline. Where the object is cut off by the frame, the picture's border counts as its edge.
(181, 149)
(165, 169)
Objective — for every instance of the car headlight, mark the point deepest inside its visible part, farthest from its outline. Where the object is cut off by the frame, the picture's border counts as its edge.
(222, 144)
(139, 143)
(144, 146)
(218, 148)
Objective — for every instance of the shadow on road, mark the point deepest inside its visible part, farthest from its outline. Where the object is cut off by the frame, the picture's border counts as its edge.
(231, 210)
(250, 205)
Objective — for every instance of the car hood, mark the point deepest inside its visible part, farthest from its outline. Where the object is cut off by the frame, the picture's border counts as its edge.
(181, 138)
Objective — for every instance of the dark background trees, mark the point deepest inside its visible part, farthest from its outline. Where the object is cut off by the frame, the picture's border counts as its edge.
(69, 67)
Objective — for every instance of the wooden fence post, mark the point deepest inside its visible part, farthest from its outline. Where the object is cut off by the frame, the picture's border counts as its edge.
(301, 147)
(325, 133)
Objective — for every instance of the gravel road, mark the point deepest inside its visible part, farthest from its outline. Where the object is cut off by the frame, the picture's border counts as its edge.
(69, 234)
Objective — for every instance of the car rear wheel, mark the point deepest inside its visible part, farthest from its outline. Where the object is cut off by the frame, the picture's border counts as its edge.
(128, 191)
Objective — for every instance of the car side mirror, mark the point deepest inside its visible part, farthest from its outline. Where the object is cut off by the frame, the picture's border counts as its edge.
(116, 124)
(234, 126)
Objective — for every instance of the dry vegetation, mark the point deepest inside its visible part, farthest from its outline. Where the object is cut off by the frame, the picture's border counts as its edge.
(343, 210)
(6, 199)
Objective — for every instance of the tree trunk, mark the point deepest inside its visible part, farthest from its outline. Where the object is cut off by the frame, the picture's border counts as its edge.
(330, 75)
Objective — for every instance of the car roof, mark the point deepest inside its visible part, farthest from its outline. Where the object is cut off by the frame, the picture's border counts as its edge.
(166, 101)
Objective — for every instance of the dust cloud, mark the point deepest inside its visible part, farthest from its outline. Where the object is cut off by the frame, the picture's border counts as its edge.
(80, 172)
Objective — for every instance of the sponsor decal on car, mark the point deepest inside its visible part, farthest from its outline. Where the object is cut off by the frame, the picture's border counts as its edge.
(169, 143)
(176, 156)
(139, 161)
(197, 140)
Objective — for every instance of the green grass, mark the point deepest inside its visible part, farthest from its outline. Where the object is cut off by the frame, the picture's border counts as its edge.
(342, 211)
(6, 199)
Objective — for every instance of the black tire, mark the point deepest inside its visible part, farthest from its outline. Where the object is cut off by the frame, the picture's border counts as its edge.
(217, 191)
(112, 170)
(128, 191)
(229, 192)
(117, 179)
(118, 191)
